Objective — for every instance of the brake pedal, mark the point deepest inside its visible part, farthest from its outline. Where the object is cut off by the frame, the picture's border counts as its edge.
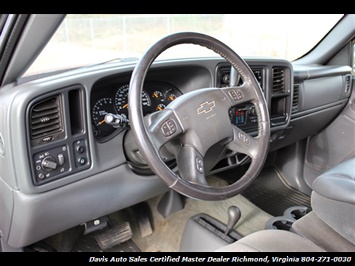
(114, 235)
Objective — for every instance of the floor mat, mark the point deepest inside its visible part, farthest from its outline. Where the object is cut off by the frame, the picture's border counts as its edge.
(272, 195)
(74, 240)
(88, 243)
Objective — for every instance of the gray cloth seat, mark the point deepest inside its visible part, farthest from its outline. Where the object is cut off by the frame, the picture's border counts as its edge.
(330, 226)
(272, 240)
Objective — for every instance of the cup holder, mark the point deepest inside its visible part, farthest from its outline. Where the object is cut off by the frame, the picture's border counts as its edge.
(280, 222)
(289, 217)
(296, 212)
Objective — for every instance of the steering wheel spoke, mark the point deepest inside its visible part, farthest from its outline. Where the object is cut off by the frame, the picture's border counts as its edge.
(164, 126)
(191, 166)
(244, 143)
(241, 94)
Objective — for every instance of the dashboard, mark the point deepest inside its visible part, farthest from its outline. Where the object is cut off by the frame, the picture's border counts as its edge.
(65, 139)
(162, 86)
(67, 133)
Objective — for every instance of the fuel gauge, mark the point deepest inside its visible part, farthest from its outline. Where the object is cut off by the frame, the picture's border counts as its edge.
(171, 97)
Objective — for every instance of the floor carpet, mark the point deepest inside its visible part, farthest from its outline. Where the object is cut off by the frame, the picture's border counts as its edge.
(167, 232)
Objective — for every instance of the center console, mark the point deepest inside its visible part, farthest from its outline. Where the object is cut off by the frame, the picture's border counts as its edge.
(205, 233)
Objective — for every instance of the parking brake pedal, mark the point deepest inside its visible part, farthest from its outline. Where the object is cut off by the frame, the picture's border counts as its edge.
(114, 235)
(95, 225)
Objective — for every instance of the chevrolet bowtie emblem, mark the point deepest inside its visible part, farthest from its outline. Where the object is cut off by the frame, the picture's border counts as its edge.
(206, 107)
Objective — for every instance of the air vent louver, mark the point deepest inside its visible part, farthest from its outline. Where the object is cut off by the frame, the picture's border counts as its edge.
(295, 100)
(46, 118)
(278, 80)
(347, 85)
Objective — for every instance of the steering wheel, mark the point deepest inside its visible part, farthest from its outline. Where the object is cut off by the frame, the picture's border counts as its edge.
(196, 121)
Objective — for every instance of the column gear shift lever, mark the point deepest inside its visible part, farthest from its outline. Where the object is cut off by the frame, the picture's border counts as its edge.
(233, 217)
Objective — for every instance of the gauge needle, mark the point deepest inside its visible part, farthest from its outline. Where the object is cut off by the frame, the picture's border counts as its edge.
(155, 95)
(171, 98)
(125, 106)
(101, 122)
(159, 108)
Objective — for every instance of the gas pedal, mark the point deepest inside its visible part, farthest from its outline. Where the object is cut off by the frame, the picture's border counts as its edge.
(142, 215)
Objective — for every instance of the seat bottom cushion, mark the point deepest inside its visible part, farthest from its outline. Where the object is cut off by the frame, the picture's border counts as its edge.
(272, 241)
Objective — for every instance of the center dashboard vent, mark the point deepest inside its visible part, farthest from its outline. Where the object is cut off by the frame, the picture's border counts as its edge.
(278, 80)
(46, 119)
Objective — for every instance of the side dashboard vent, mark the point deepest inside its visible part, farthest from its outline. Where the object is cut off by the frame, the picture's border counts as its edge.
(46, 118)
(296, 98)
(347, 85)
(223, 77)
(278, 80)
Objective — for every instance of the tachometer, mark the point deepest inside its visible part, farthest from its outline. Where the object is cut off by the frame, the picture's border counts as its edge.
(121, 100)
(100, 109)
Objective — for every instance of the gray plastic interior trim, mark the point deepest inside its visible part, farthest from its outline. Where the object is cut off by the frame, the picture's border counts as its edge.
(41, 215)
(299, 127)
(290, 163)
(330, 88)
(323, 156)
(304, 72)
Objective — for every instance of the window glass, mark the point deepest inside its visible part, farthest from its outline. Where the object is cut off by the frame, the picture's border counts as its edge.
(93, 38)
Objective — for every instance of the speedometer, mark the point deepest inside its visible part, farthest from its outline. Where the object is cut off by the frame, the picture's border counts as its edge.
(121, 100)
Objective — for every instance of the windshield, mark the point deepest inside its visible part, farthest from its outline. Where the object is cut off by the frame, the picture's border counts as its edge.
(90, 39)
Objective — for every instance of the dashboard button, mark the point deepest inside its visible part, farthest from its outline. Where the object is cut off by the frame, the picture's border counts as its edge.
(244, 138)
(169, 127)
(61, 159)
(81, 161)
(41, 176)
(79, 149)
(236, 95)
(199, 164)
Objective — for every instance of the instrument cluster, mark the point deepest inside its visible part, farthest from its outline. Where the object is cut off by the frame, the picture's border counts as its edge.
(155, 97)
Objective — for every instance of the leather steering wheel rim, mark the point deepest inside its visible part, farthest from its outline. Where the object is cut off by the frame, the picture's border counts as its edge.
(149, 138)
